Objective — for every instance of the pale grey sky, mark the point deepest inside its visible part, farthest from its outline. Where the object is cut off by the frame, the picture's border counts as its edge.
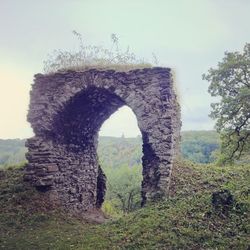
(188, 35)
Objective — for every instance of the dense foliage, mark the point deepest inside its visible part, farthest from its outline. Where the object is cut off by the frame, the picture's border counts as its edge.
(123, 189)
(200, 146)
(115, 152)
(197, 146)
(230, 81)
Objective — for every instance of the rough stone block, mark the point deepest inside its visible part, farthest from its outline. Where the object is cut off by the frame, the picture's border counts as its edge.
(52, 168)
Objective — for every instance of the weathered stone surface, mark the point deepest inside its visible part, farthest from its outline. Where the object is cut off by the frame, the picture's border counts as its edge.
(52, 168)
(67, 109)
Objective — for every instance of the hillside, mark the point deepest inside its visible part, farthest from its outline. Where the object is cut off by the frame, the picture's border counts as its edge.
(197, 146)
(187, 220)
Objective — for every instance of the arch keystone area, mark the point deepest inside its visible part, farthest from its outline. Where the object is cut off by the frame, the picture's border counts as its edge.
(66, 111)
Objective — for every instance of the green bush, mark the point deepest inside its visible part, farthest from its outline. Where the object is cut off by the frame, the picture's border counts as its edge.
(123, 189)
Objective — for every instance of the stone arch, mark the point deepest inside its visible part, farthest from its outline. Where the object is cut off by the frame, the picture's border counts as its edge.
(66, 112)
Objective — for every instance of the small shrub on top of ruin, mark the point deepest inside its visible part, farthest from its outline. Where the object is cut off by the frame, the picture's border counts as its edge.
(91, 56)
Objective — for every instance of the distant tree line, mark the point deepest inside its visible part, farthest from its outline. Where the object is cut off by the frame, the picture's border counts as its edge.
(197, 146)
(200, 146)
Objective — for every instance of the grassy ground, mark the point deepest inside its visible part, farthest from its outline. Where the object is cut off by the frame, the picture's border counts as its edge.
(186, 220)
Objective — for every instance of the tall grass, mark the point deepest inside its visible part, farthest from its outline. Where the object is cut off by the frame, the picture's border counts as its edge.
(92, 56)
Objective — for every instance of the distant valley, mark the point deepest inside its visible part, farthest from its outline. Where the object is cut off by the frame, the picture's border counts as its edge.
(197, 146)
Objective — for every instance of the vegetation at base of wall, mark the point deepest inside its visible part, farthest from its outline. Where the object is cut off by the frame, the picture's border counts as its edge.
(186, 220)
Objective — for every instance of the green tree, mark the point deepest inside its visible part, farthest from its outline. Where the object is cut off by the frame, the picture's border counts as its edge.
(230, 81)
(124, 187)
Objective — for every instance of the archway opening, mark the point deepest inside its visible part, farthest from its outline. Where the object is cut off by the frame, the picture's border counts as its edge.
(76, 130)
(120, 157)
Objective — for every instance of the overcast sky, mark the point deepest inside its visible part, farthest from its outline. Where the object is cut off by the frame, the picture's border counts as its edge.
(187, 35)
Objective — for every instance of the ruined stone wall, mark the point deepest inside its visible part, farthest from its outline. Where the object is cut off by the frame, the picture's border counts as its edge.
(66, 112)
